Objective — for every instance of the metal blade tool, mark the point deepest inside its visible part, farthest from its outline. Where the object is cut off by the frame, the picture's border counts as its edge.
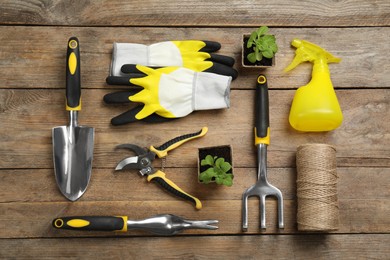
(73, 144)
(163, 224)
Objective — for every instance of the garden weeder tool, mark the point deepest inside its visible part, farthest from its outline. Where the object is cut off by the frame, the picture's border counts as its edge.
(73, 144)
(262, 188)
(144, 158)
(163, 224)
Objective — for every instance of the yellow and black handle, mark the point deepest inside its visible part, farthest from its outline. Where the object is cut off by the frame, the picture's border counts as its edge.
(170, 186)
(159, 176)
(92, 223)
(262, 128)
(73, 81)
(163, 149)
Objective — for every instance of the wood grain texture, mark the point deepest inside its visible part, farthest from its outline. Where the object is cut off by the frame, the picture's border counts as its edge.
(33, 220)
(29, 210)
(362, 140)
(125, 186)
(197, 13)
(38, 61)
(34, 35)
(359, 246)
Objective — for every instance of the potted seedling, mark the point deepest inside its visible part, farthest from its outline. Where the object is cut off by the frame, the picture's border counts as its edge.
(259, 48)
(215, 164)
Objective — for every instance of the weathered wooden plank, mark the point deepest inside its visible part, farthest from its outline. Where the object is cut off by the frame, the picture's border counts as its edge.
(38, 185)
(203, 247)
(30, 200)
(28, 220)
(199, 13)
(27, 117)
(38, 61)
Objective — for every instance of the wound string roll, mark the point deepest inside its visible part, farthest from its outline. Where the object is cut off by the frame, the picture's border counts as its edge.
(318, 208)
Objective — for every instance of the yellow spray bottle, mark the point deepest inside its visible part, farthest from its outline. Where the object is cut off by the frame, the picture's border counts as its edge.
(315, 106)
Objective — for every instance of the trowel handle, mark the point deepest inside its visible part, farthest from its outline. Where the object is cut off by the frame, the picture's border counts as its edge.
(262, 130)
(73, 89)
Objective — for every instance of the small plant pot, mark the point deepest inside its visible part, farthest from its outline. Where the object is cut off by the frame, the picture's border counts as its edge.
(223, 151)
(245, 63)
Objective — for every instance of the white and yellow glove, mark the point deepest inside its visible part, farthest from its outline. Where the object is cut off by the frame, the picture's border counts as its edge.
(169, 92)
(192, 54)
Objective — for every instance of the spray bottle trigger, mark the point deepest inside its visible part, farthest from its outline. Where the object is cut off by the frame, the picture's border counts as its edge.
(298, 59)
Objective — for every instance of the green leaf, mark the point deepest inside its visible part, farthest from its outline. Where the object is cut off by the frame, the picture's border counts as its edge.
(251, 57)
(207, 175)
(262, 30)
(258, 54)
(262, 46)
(225, 166)
(273, 48)
(268, 39)
(219, 161)
(228, 181)
(251, 39)
(268, 54)
(219, 180)
(217, 172)
(209, 160)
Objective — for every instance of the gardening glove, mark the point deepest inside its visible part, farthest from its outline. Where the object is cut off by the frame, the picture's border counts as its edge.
(169, 92)
(192, 54)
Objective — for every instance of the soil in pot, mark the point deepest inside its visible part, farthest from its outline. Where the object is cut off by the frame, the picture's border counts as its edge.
(219, 151)
(264, 61)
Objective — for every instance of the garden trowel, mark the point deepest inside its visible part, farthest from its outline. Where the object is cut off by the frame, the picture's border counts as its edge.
(73, 144)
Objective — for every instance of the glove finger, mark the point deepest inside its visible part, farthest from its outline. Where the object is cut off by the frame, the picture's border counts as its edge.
(124, 80)
(222, 69)
(146, 111)
(129, 117)
(120, 96)
(132, 68)
(211, 46)
(226, 60)
(144, 69)
(126, 117)
(114, 80)
(154, 118)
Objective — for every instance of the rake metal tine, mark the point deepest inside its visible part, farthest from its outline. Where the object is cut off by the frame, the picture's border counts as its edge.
(262, 212)
(280, 209)
(244, 212)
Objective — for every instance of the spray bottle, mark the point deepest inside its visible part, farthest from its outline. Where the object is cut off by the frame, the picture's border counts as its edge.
(315, 106)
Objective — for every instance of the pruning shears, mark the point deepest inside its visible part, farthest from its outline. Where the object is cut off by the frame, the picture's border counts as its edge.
(145, 156)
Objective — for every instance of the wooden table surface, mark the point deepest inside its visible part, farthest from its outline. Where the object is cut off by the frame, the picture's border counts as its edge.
(33, 37)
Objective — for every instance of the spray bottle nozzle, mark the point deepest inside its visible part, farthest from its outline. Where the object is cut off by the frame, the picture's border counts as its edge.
(307, 51)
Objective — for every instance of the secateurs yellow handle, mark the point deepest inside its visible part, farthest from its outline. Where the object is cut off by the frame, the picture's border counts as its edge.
(163, 149)
(170, 186)
(262, 129)
(144, 158)
(159, 176)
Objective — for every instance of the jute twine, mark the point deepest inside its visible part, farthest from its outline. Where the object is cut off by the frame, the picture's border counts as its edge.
(317, 188)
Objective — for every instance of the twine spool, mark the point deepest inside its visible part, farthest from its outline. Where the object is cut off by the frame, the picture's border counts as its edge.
(317, 188)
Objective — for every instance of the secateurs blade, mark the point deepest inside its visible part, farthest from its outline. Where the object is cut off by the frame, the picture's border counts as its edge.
(145, 156)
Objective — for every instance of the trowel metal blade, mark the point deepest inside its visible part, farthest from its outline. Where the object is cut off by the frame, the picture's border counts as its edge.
(73, 154)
